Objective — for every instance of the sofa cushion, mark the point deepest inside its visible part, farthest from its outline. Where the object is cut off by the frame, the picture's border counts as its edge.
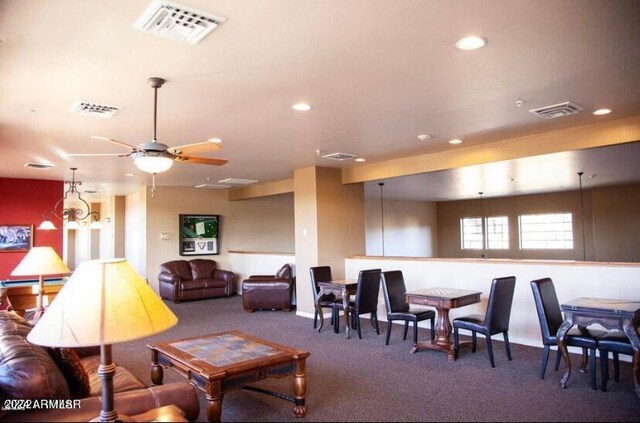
(73, 371)
(202, 268)
(123, 380)
(202, 284)
(177, 267)
(26, 370)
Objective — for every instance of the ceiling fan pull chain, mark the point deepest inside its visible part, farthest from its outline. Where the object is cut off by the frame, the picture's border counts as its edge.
(153, 185)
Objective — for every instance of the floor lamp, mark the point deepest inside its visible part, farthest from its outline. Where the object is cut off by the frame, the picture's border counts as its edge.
(104, 302)
(40, 261)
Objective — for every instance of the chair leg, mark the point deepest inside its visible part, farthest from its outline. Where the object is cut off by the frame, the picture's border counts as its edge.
(415, 332)
(335, 318)
(506, 344)
(406, 329)
(389, 324)
(358, 325)
(489, 350)
(616, 367)
(545, 359)
(315, 319)
(474, 341)
(377, 327)
(604, 370)
(585, 361)
(456, 342)
(592, 369)
(433, 332)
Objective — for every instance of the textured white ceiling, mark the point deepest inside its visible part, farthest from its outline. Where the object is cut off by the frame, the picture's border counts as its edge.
(378, 73)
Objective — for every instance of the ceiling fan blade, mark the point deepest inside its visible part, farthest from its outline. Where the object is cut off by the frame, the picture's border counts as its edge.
(199, 160)
(124, 144)
(97, 154)
(198, 147)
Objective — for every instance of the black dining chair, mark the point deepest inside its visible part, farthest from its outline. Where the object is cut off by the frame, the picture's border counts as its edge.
(550, 318)
(494, 321)
(394, 289)
(366, 299)
(615, 342)
(323, 274)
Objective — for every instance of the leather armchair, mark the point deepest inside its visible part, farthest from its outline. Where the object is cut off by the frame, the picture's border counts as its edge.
(28, 371)
(182, 280)
(270, 292)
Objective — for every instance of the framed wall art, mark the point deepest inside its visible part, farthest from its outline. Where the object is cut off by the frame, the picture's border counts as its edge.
(199, 234)
(16, 238)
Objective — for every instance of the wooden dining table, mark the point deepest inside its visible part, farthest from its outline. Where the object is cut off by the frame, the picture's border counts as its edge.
(344, 288)
(622, 315)
(443, 299)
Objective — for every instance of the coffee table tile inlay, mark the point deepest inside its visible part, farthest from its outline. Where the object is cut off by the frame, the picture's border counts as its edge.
(225, 361)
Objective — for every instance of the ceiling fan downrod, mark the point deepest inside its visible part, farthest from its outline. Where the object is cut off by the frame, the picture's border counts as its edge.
(155, 83)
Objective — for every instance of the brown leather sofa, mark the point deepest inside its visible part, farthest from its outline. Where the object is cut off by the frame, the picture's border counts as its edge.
(268, 292)
(29, 371)
(197, 279)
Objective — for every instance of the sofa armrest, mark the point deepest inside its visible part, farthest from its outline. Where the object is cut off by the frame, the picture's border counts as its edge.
(181, 394)
(270, 279)
(224, 275)
(169, 278)
(261, 277)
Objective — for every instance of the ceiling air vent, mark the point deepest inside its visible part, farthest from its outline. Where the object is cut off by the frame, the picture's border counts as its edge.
(38, 165)
(213, 186)
(87, 108)
(339, 156)
(557, 110)
(177, 22)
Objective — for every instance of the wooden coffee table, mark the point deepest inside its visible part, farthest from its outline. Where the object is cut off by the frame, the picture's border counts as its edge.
(222, 362)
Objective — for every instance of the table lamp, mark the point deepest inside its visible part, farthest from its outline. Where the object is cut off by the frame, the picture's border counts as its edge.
(40, 261)
(102, 303)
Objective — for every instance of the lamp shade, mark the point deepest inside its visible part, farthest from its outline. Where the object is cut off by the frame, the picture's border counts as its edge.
(47, 225)
(103, 302)
(157, 163)
(40, 261)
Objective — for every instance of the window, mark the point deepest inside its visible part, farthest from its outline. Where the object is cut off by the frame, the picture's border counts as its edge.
(546, 231)
(497, 230)
(497, 233)
(471, 230)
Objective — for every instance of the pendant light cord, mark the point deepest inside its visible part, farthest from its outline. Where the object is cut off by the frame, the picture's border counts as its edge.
(381, 184)
(584, 241)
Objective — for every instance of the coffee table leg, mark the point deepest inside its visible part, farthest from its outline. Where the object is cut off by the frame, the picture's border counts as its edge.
(156, 370)
(300, 389)
(214, 402)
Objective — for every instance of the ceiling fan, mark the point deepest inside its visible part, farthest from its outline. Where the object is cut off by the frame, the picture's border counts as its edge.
(155, 157)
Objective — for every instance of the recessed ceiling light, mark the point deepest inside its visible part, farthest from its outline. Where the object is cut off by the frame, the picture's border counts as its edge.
(455, 141)
(301, 107)
(360, 159)
(471, 43)
(128, 174)
(424, 137)
(215, 140)
(602, 112)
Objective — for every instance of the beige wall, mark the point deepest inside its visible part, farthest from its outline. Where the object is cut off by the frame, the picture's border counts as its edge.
(410, 228)
(608, 211)
(616, 223)
(135, 230)
(260, 224)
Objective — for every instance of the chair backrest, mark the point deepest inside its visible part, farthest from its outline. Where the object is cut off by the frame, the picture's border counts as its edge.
(319, 274)
(368, 290)
(548, 308)
(394, 289)
(499, 306)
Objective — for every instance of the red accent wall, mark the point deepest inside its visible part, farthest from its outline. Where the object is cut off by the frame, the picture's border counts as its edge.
(26, 201)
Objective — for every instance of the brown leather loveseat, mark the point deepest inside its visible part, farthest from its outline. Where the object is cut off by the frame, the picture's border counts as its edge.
(197, 279)
(268, 292)
(32, 372)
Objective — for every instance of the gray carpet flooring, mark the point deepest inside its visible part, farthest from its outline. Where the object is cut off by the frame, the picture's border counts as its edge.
(364, 380)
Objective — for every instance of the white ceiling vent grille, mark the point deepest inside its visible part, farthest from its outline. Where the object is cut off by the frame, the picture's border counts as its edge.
(177, 22)
(557, 110)
(339, 156)
(213, 186)
(87, 108)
